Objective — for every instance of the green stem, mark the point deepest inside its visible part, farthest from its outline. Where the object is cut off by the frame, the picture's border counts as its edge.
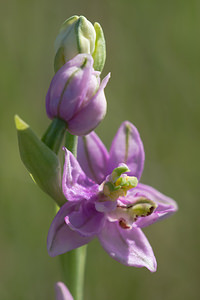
(54, 135)
(73, 262)
(73, 267)
(71, 143)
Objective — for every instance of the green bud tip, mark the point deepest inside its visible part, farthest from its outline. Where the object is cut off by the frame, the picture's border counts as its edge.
(20, 124)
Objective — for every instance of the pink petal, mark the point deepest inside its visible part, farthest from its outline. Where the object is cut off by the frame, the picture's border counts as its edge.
(127, 147)
(61, 238)
(62, 100)
(90, 115)
(166, 206)
(128, 246)
(85, 220)
(76, 185)
(93, 157)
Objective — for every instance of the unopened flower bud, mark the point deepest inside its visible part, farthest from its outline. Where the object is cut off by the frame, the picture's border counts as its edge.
(76, 95)
(78, 35)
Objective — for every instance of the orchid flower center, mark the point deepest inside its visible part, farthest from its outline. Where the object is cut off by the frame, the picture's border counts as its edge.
(117, 184)
(128, 214)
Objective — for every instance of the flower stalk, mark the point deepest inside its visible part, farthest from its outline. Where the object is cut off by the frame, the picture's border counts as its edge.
(73, 262)
(73, 268)
(56, 129)
(71, 142)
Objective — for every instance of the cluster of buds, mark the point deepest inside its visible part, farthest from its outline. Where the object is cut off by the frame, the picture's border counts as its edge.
(75, 94)
(75, 101)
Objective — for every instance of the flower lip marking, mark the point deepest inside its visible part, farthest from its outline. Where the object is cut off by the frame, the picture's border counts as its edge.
(117, 184)
(128, 214)
(123, 224)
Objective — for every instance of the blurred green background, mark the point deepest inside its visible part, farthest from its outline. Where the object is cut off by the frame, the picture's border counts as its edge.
(153, 53)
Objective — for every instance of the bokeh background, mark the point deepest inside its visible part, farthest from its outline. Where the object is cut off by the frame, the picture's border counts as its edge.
(153, 52)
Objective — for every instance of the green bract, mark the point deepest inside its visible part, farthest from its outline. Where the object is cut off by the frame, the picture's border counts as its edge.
(41, 162)
(78, 35)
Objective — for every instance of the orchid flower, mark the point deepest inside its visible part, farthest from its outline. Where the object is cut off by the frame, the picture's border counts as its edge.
(106, 202)
(62, 292)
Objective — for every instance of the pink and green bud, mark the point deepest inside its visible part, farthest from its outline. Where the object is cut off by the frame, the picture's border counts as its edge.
(76, 95)
(78, 35)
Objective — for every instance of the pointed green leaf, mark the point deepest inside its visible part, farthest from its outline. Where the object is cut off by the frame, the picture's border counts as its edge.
(41, 162)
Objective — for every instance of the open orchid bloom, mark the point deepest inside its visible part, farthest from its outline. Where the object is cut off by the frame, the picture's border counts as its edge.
(106, 200)
(62, 292)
